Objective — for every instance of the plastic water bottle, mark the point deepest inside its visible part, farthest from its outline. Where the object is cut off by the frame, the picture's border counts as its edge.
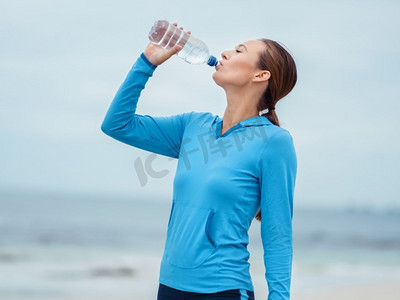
(193, 50)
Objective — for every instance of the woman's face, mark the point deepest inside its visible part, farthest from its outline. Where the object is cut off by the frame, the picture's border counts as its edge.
(238, 66)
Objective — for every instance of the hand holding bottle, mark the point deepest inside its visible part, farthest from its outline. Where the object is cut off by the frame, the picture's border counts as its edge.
(192, 50)
(157, 54)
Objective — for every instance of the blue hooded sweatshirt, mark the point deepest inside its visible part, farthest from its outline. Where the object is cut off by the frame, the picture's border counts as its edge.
(220, 183)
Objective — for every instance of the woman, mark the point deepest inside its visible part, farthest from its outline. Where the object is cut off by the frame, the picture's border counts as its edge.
(229, 171)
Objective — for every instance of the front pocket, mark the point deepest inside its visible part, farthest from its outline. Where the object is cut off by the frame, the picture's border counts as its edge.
(189, 240)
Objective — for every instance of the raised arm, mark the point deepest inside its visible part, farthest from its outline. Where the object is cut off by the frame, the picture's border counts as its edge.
(162, 135)
(278, 167)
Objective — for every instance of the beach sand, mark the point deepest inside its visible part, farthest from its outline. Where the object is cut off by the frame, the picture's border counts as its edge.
(97, 280)
(356, 285)
(372, 291)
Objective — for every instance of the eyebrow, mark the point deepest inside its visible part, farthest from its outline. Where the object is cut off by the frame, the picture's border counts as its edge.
(241, 45)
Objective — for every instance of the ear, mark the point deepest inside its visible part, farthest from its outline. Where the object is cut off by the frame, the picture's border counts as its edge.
(261, 76)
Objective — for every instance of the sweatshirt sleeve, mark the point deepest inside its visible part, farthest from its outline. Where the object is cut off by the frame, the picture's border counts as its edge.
(161, 135)
(278, 167)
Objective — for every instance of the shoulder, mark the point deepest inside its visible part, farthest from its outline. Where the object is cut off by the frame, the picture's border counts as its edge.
(200, 117)
(281, 135)
(279, 142)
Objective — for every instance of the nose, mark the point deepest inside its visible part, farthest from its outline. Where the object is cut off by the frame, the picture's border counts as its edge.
(225, 55)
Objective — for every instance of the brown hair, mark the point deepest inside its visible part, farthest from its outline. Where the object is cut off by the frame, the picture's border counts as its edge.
(283, 78)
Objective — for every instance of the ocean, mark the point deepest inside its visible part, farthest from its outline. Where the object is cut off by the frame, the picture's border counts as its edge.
(85, 247)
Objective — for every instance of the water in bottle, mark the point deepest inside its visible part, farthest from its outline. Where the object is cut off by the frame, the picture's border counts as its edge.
(193, 50)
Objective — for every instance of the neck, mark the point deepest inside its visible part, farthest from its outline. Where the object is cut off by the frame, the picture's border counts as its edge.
(241, 105)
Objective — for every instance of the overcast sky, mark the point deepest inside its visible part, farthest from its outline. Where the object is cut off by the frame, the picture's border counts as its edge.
(61, 63)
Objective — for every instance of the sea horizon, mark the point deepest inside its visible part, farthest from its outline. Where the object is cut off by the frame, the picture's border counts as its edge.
(70, 247)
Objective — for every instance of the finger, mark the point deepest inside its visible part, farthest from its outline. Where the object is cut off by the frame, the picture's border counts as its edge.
(176, 49)
(175, 24)
(173, 51)
(189, 32)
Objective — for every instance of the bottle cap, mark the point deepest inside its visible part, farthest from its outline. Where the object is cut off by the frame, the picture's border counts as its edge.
(212, 61)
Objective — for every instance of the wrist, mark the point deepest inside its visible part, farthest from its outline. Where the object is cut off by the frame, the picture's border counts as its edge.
(147, 61)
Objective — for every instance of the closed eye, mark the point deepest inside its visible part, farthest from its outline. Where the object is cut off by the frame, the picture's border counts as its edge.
(240, 47)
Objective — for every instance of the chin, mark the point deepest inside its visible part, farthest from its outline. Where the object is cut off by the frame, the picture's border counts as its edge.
(217, 79)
